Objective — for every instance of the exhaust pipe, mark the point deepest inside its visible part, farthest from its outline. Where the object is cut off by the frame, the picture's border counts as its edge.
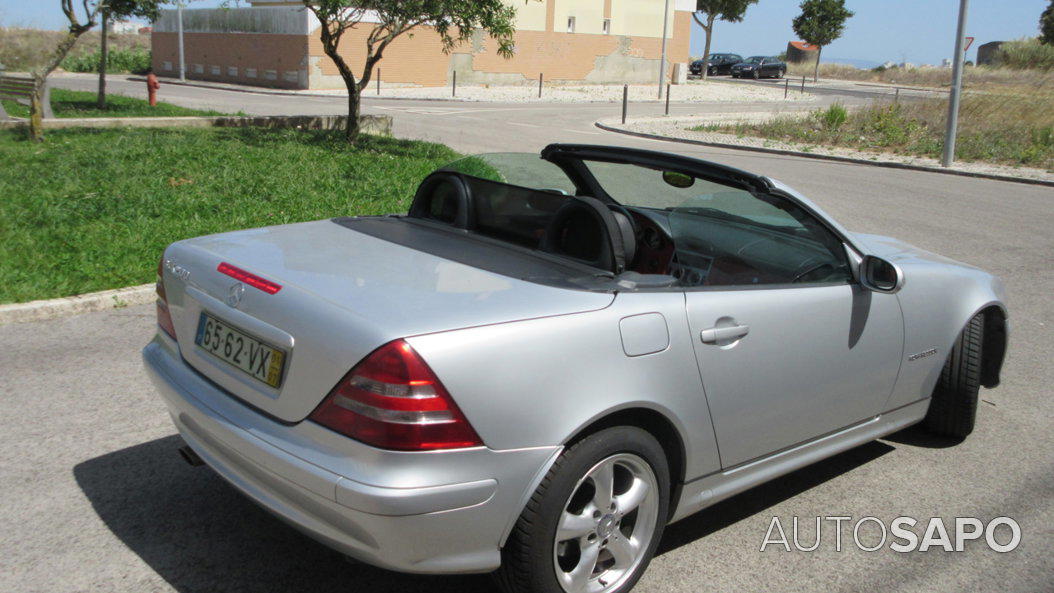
(190, 456)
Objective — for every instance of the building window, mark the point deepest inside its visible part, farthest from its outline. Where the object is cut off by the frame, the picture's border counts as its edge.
(570, 24)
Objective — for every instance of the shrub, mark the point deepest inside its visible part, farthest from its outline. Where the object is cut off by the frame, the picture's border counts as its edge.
(1026, 54)
(834, 116)
(136, 61)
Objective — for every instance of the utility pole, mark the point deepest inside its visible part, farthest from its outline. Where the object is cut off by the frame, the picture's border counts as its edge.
(179, 26)
(662, 61)
(104, 56)
(957, 82)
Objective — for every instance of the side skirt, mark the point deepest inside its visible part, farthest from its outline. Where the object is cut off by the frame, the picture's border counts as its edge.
(703, 492)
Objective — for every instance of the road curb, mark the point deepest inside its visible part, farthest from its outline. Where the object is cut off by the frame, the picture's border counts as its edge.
(73, 305)
(829, 157)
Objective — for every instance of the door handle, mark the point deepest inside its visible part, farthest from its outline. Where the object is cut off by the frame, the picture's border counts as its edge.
(723, 334)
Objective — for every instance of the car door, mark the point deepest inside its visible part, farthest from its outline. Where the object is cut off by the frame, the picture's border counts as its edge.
(788, 345)
(785, 354)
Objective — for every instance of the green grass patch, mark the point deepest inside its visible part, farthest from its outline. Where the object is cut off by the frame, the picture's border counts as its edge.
(91, 210)
(1003, 129)
(66, 103)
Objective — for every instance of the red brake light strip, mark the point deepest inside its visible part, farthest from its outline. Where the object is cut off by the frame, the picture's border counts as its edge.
(250, 279)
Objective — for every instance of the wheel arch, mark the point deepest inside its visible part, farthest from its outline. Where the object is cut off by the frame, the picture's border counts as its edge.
(655, 423)
(993, 349)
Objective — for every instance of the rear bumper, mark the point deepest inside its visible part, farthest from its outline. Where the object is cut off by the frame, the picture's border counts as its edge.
(434, 512)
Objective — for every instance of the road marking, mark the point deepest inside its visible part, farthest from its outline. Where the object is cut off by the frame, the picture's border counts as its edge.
(584, 132)
(516, 123)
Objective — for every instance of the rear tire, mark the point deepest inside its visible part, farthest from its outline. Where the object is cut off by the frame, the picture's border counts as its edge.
(757, 75)
(953, 407)
(541, 554)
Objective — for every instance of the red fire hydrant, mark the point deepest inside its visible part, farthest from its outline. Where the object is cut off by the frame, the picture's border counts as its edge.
(151, 88)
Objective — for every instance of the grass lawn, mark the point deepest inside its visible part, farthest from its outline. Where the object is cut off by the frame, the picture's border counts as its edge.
(66, 103)
(90, 210)
(1007, 129)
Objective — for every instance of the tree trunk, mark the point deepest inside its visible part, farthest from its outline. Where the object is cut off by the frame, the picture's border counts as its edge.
(816, 68)
(36, 112)
(105, 55)
(709, 28)
(40, 77)
(351, 131)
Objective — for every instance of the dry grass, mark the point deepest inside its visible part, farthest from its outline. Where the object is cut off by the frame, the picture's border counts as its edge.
(24, 49)
(974, 77)
(1002, 128)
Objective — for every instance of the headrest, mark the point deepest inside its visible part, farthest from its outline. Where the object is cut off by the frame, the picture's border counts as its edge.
(444, 196)
(586, 229)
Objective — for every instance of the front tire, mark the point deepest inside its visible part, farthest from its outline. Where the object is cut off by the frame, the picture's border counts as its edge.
(595, 520)
(953, 407)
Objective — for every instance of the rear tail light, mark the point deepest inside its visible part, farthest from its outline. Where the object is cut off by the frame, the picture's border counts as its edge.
(392, 400)
(164, 318)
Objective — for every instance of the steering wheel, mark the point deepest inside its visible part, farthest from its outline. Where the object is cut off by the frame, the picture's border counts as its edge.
(625, 212)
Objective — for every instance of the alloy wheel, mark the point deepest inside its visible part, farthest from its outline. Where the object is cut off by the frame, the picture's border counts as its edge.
(606, 525)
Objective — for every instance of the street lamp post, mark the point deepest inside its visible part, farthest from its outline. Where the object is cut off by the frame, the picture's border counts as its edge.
(179, 27)
(957, 81)
(662, 60)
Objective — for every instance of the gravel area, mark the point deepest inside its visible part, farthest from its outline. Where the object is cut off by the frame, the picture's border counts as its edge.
(583, 93)
(679, 128)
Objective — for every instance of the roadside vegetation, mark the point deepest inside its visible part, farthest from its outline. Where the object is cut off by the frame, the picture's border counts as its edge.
(92, 209)
(135, 61)
(1021, 64)
(66, 103)
(22, 50)
(1007, 129)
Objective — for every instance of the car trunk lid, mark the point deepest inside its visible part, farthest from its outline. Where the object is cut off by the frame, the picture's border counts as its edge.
(342, 294)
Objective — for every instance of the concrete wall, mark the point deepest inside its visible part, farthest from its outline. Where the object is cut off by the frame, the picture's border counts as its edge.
(280, 46)
(589, 57)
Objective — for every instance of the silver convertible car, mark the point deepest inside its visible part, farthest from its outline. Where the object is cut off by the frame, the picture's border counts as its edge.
(552, 356)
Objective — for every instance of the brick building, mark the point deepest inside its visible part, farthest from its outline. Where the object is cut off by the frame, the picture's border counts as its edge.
(277, 44)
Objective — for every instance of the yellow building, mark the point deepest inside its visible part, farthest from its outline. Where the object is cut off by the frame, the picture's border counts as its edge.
(277, 44)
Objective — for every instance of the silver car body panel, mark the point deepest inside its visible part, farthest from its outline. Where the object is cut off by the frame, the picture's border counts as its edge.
(823, 368)
(431, 512)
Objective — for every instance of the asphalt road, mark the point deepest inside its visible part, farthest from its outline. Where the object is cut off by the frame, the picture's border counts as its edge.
(95, 497)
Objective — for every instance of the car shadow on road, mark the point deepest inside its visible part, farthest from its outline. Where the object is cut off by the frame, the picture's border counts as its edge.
(759, 498)
(918, 436)
(199, 534)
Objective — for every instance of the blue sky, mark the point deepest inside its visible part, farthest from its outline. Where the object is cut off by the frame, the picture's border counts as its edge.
(919, 31)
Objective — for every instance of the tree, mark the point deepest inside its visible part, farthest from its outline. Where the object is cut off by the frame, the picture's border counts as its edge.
(1046, 25)
(453, 20)
(707, 11)
(78, 25)
(820, 23)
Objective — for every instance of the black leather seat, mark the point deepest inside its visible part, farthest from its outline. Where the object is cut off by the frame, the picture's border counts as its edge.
(587, 230)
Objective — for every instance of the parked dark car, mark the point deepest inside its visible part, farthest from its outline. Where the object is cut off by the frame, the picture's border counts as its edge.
(759, 67)
(717, 64)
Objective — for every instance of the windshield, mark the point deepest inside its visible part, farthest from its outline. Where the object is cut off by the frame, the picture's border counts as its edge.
(755, 59)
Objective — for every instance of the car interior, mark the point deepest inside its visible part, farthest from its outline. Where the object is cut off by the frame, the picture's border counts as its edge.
(685, 245)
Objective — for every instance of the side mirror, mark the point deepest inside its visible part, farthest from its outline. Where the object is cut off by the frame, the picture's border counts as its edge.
(880, 275)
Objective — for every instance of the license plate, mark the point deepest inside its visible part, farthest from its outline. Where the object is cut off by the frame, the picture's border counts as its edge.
(255, 358)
